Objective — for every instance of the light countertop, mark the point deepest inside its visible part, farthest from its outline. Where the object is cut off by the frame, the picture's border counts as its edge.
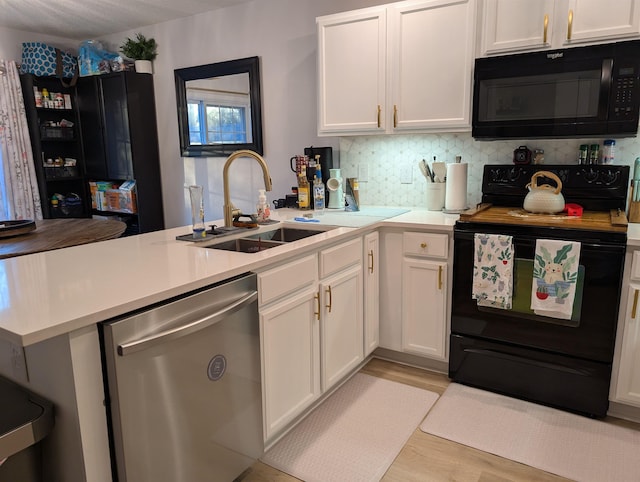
(46, 294)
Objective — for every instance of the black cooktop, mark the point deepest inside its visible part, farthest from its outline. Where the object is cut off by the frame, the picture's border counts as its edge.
(594, 187)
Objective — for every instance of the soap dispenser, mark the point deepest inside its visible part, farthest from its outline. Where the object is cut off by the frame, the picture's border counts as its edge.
(262, 208)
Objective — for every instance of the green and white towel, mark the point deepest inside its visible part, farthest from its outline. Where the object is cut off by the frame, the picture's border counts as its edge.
(493, 270)
(555, 274)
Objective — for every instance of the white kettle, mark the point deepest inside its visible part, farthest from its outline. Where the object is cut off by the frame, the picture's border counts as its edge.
(545, 198)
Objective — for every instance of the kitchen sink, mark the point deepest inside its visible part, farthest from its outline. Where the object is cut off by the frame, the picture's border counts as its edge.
(265, 240)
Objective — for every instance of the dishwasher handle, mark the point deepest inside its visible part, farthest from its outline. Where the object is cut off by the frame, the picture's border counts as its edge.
(188, 328)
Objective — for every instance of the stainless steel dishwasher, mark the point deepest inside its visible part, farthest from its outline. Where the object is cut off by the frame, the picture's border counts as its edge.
(184, 386)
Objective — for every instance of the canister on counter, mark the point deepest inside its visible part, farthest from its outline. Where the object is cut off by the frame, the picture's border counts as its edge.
(608, 151)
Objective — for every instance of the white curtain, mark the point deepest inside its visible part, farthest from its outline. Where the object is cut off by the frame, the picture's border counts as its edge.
(19, 196)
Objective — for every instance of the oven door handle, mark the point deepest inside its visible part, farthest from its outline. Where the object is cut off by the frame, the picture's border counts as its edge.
(538, 363)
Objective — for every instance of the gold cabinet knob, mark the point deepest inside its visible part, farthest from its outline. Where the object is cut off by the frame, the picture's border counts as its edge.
(423, 245)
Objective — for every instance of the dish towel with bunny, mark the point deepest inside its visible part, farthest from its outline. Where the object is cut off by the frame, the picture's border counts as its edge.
(493, 270)
(555, 274)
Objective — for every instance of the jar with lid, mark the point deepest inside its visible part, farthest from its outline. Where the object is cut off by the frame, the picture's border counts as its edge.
(594, 153)
(608, 154)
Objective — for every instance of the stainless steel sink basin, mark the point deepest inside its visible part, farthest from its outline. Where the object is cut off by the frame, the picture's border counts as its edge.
(268, 239)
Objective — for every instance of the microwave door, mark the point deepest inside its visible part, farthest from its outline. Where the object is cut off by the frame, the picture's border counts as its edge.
(544, 100)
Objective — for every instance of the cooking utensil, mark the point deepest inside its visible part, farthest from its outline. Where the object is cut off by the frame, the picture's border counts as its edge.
(426, 172)
(439, 171)
(545, 198)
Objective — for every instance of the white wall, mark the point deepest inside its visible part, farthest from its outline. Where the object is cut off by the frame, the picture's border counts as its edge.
(11, 43)
(283, 34)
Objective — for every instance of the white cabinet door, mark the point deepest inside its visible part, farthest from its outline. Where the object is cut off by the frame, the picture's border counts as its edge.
(516, 24)
(509, 25)
(628, 383)
(341, 325)
(290, 338)
(351, 67)
(424, 301)
(431, 53)
(371, 292)
(592, 20)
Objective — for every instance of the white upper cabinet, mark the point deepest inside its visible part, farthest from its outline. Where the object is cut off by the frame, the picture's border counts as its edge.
(520, 25)
(402, 67)
(352, 51)
(431, 46)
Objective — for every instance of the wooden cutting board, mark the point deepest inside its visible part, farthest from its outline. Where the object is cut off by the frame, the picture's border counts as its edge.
(613, 221)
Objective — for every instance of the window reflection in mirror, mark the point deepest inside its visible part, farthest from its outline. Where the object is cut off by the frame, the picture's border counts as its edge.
(219, 108)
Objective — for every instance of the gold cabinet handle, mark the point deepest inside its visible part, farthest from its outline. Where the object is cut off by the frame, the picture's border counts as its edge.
(570, 25)
(395, 116)
(317, 313)
(379, 113)
(371, 261)
(423, 245)
(439, 277)
(328, 290)
(546, 28)
(635, 304)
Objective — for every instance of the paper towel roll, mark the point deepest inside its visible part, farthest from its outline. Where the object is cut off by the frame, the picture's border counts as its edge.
(456, 193)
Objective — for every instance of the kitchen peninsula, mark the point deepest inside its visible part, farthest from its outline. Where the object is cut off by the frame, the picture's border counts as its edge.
(48, 323)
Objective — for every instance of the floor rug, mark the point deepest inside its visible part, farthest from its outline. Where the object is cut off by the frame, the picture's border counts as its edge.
(562, 443)
(355, 434)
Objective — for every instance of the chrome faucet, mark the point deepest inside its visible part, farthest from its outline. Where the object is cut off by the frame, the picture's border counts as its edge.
(228, 208)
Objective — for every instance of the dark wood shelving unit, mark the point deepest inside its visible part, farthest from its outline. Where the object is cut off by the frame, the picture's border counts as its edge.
(65, 145)
(119, 135)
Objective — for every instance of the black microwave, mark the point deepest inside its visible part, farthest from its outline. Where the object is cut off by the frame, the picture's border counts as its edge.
(575, 92)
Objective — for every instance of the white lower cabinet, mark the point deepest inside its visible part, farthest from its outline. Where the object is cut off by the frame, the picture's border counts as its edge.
(342, 328)
(290, 335)
(628, 377)
(424, 294)
(424, 307)
(311, 330)
(371, 273)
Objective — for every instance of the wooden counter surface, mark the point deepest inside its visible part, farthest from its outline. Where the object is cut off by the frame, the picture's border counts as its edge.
(593, 220)
(60, 233)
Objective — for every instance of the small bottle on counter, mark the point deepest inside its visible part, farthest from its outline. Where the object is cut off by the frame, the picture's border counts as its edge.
(262, 208)
(303, 190)
(608, 154)
(318, 189)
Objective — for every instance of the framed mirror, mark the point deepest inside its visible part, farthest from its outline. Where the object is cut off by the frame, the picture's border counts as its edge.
(219, 108)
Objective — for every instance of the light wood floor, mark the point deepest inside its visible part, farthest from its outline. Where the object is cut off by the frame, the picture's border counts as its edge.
(427, 457)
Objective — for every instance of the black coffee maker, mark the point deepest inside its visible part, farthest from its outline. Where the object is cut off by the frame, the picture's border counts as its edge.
(326, 162)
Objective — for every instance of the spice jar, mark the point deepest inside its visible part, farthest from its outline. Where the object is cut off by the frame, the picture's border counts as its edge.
(594, 153)
(583, 154)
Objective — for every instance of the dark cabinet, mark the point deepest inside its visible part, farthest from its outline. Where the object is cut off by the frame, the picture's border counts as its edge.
(118, 125)
(52, 115)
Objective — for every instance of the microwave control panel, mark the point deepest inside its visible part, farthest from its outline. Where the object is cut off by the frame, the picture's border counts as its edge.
(625, 92)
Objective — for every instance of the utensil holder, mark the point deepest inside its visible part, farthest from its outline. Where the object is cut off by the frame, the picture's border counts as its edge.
(435, 196)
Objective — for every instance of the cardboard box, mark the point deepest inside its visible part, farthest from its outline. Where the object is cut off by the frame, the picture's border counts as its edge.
(121, 201)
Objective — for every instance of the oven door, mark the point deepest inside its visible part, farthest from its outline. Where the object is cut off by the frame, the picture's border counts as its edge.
(589, 335)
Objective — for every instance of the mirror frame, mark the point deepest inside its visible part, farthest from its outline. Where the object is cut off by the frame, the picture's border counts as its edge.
(250, 65)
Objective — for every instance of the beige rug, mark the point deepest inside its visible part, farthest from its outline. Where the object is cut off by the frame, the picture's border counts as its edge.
(562, 443)
(355, 434)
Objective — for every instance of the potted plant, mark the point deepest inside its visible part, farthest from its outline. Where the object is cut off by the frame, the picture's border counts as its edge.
(142, 50)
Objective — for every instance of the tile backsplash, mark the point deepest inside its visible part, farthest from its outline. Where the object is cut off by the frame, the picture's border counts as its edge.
(387, 166)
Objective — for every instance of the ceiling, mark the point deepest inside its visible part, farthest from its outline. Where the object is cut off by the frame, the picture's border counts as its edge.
(87, 19)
